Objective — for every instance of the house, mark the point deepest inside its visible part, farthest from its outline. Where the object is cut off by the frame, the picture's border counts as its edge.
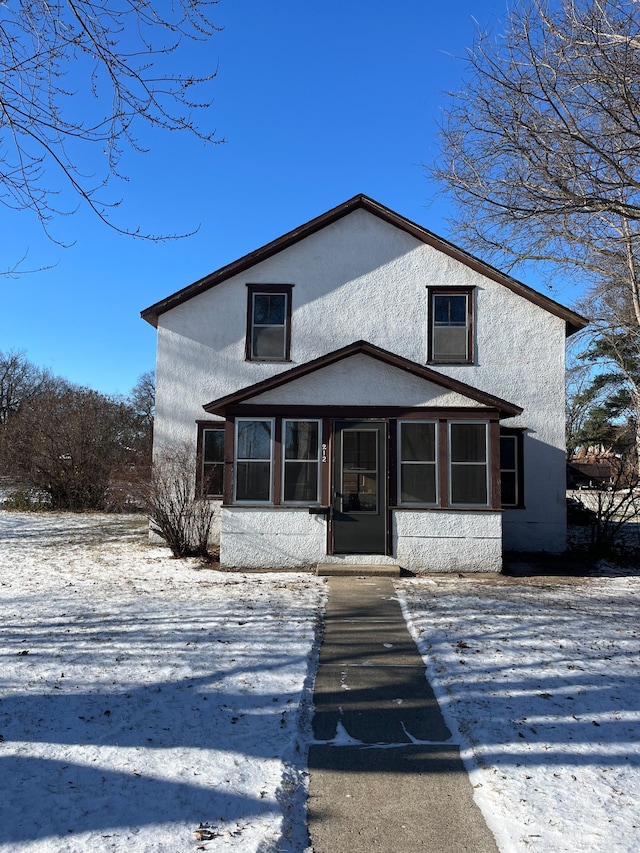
(362, 391)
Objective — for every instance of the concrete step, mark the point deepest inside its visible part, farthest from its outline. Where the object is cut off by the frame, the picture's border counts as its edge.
(337, 570)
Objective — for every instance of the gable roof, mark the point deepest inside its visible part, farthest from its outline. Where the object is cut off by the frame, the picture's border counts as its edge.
(506, 409)
(574, 322)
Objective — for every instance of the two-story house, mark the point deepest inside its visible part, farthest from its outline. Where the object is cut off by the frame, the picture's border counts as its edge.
(362, 391)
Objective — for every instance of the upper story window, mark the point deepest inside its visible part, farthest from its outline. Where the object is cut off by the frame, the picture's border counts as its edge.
(450, 333)
(268, 322)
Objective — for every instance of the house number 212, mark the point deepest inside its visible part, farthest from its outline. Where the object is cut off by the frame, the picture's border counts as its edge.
(324, 452)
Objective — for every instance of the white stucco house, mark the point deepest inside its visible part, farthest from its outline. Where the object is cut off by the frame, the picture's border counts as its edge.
(362, 391)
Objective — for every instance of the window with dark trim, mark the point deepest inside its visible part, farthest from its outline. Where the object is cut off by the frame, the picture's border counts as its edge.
(468, 464)
(300, 462)
(268, 322)
(254, 460)
(417, 462)
(511, 468)
(212, 470)
(450, 327)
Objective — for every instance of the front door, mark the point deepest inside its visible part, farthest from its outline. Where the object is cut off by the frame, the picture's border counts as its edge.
(360, 487)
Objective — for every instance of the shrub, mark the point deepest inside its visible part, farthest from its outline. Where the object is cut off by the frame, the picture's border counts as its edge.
(177, 514)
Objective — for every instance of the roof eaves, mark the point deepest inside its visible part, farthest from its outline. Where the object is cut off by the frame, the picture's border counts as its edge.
(574, 321)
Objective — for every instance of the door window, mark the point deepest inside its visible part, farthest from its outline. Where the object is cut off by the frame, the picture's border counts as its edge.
(359, 492)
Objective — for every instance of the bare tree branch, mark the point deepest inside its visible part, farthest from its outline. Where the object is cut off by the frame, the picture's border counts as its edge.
(78, 80)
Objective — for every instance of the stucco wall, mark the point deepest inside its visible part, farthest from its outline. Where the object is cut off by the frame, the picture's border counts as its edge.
(361, 278)
(423, 541)
(448, 541)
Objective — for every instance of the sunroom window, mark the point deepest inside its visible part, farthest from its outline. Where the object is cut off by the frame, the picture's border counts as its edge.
(254, 460)
(511, 468)
(468, 464)
(418, 466)
(212, 462)
(301, 461)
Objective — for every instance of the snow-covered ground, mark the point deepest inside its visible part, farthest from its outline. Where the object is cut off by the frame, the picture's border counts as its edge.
(540, 680)
(141, 696)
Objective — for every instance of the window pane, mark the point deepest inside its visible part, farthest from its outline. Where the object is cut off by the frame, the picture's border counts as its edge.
(469, 484)
(508, 452)
(359, 492)
(468, 442)
(418, 442)
(301, 481)
(269, 309)
(213, 445)
(418, 483)
(508, 488)
(450, 309)
(450, 343)
(301, 440)
(213, 474)
(359, 449)
(268, 342)
(254, 440)
(253, 481)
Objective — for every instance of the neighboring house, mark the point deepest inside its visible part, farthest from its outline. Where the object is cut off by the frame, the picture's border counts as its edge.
(362, 391)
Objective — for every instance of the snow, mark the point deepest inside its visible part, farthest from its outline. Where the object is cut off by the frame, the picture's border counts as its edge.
(539, 680)
(142, 696)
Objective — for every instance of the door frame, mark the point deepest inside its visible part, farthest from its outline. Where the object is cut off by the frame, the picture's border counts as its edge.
(386, 464)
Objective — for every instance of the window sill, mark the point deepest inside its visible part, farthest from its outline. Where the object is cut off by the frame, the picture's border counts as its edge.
(269, 360)
(433, 363)
(427, 508)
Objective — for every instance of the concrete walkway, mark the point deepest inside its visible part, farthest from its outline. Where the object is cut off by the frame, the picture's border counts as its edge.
(385, 776)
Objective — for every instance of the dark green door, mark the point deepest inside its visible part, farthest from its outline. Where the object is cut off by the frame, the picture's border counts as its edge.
(360, 487)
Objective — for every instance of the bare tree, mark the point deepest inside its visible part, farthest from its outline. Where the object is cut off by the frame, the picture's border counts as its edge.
(78, 78)
(541, 152)
(67, 442)
(177, 513)
(20, 382)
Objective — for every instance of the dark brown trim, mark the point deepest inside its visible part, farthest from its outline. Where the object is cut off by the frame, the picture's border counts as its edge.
(349, 413)
(276, 496)
(469, 292)
(229, 455)
(443, 463)
(574, 322)
(494, 465)
(391, 451)
(392, 465)
(506, 409)
(325, 462)
(278, 290)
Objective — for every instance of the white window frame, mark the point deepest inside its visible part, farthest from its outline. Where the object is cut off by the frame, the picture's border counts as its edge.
(284, 460)
(237, 459)
(435, 464)
(487, 463)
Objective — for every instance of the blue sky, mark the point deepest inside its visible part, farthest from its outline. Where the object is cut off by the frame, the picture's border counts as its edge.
(317, 102)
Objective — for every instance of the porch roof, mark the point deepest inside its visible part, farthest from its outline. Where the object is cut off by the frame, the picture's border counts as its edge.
(482, 398)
